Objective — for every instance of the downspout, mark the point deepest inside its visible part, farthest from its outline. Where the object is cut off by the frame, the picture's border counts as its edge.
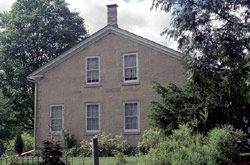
(35, 115)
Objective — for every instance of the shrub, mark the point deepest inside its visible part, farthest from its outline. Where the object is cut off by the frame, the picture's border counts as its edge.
(185, 146)
(150, 139)
(74, 151)
(68, 139)
(108, 145)
(12, 160)
(28, 141)
(19, 144)
(51, 153)
(119, 159)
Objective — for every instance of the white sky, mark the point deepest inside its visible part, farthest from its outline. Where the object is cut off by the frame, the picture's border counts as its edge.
(133, 15)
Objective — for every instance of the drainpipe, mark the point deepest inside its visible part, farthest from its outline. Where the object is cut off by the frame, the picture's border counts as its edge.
(35, 115)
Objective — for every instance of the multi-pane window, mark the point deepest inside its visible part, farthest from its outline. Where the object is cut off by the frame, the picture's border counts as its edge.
(56, 118)
(130, 67)
(92, 117)
(92, 70)
(131, 116)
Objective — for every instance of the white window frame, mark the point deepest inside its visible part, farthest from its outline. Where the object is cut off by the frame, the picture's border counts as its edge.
(50, 117)
(138, 117)
(86, 118)
(123, 67)
(86, 71)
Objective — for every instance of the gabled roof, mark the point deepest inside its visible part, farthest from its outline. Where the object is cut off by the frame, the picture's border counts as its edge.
(95, 37)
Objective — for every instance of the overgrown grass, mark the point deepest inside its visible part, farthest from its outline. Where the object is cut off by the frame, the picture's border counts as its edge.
(79, 160)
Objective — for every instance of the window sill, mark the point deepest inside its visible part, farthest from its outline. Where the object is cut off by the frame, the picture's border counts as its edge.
(132, 133)
(130, 83)
(92, 85)
(54, 133)
(91, 133)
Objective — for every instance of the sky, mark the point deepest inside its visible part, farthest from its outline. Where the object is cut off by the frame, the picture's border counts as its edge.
(133, 15)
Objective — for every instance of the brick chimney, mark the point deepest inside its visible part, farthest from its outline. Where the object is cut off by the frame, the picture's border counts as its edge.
(112, 15)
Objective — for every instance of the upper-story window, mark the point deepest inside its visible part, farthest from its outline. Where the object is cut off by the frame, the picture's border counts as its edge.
(56, 118)
(130, 67)
(92, 70)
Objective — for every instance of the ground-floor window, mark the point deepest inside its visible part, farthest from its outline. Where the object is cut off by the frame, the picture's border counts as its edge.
(131, 116)
(56, 118)
(92, 117)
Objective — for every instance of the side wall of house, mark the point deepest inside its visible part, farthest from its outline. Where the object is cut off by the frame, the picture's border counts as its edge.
(65, 84)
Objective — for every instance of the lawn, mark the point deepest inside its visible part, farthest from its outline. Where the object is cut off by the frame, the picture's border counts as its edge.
(79, 161)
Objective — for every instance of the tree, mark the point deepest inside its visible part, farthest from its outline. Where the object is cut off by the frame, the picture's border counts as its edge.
(214, 37)
(32, 33)
(19, 144)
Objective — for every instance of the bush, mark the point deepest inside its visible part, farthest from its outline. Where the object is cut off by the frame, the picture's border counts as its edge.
(108, 145)
(28, 141)
(68, 139)
(12, 160)
(119, 159)
(19, 144)
(51, 153)
(150, 139)
(73, 151)
(185, 146)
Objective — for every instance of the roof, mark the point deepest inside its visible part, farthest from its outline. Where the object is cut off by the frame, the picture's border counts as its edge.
(95, 37)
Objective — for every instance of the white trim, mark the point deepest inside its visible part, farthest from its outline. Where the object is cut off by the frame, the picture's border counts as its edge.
(50, 115)
(138, 116)
(99, 71)
(123, 68)
(99, 118)
(95, 37)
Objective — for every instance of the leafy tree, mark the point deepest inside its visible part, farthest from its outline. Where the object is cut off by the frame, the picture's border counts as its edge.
(32, 33)
(214, 37)
(19, 144)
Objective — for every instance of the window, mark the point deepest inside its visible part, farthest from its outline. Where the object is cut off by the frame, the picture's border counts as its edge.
(92, 70)
(130, 67)
(131, 116)
(56, 118)
(92, 117)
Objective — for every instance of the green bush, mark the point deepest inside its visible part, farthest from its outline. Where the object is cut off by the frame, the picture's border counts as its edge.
(19, 145)
(108, 145)
(185, 146)
(73, 151)
(119, 159)
(68, 139)
(150, 139)
(28, 141)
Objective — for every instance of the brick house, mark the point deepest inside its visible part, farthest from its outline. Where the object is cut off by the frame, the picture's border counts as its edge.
(103, 84)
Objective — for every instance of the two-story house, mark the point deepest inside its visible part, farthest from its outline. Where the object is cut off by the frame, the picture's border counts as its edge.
(103, 84)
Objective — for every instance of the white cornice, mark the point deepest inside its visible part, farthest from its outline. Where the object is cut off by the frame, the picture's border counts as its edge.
(95, 37)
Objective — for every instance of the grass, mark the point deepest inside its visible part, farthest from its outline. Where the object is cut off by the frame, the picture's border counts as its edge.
(79, 161)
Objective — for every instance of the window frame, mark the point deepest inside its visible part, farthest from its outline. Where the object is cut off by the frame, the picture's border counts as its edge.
(86, 118)
(50, 117)
(123, 68)
(86, 70)
(138, 116)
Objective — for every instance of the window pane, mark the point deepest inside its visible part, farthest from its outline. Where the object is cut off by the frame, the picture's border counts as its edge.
(130, 61)
(130, 74)
(56, 124)
(92, 63)
(56, 112)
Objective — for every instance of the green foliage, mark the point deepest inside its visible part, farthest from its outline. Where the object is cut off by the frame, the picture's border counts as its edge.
(186, 146)
(12, 160)
(51, 153)
(214, 39)
(68, 139)
(31, 34)
(74, 151)
(19, 144)
(108, 145)
(150, 139)
(119, 159)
